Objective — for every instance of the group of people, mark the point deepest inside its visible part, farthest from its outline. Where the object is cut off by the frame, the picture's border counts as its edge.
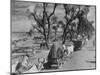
(27, 66)
(60, 51)
(56, 57)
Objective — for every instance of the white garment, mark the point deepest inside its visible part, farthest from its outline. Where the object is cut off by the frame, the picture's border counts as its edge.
(33, 69)
(64, 47)
(24, 62)
(14, 67)
(70, 49)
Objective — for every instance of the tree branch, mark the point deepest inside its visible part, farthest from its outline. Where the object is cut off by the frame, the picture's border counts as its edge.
(36, 19)
(69, 21)
(53, 10)
(37, 29)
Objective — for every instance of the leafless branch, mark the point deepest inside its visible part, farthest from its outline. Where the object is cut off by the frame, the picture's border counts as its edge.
(55, 5)
(36, 19)
(37, 29)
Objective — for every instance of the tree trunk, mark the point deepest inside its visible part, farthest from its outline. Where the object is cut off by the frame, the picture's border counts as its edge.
(64, 37)
(55, 35)
(48, 29)
(47, 43)
(46, 39)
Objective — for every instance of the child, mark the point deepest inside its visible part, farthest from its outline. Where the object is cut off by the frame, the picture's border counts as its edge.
(70, 49)
(40, 64)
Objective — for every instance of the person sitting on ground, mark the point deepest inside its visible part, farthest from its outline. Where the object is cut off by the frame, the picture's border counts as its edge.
(77, 44)
(37, 67)
(40, 66)
(23, 64)
(65, 50)
(70, 49)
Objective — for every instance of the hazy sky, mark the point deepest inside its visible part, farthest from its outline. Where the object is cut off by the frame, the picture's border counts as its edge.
(20, 21)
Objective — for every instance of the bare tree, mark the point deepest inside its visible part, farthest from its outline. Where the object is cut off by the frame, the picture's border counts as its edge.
(73, 12)
(43, 20)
